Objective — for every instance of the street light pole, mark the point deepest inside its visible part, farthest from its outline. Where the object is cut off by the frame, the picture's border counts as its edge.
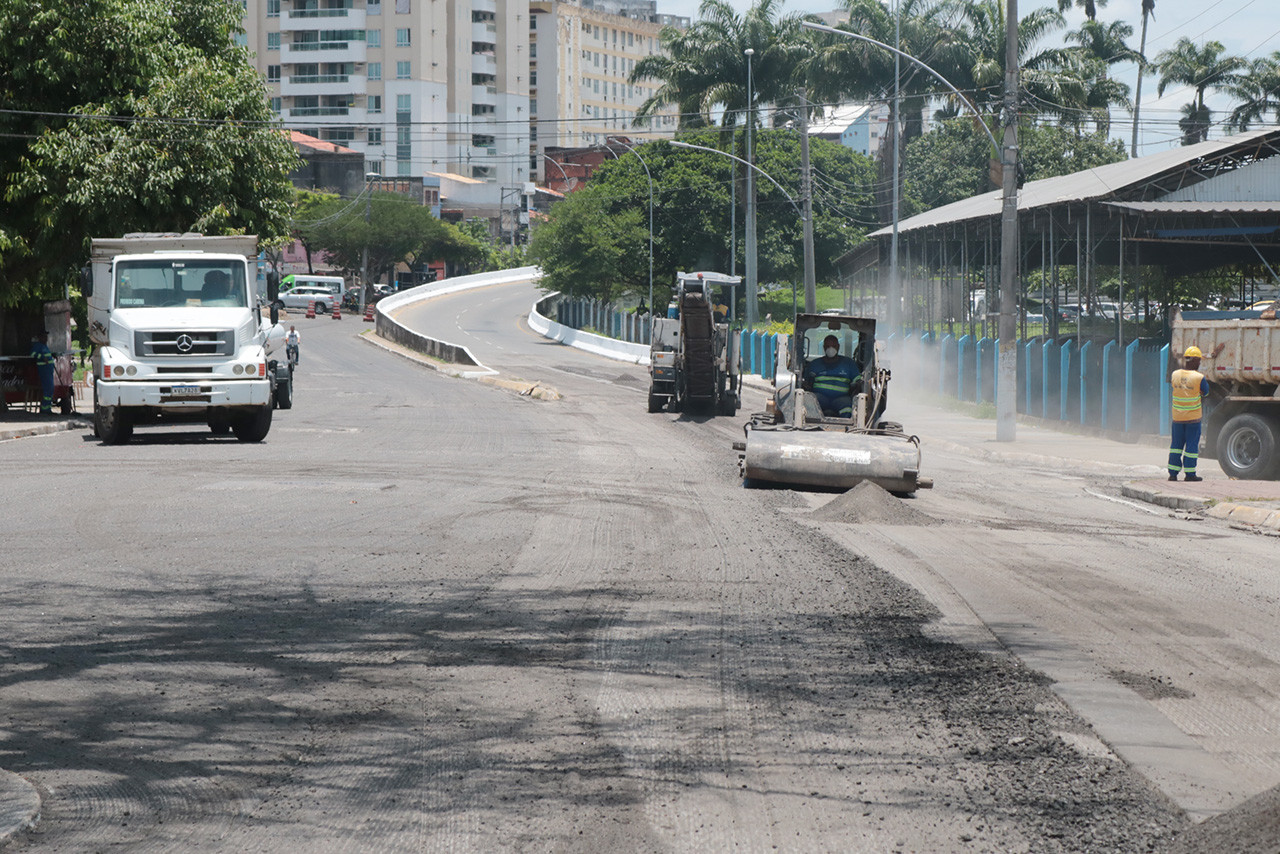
(1007, 356)
(751, 202)
(806, 198)
(650, 177)
(364, 253)
(751, 167)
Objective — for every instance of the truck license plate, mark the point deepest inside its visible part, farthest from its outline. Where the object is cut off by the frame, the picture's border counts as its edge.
(185, 389)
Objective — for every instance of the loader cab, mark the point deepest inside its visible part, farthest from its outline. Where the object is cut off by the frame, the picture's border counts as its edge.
(857, 337)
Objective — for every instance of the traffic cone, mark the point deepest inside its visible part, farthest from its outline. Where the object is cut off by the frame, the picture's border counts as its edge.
(311, 309)
(337, 310)
(368, 313)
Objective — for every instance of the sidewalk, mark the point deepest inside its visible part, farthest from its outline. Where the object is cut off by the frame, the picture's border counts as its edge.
(951, 426)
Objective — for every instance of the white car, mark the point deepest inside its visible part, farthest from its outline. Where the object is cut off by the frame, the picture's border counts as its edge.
(304, 295)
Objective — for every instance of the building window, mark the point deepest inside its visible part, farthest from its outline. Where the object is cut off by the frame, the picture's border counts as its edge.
(402, 37)
(273, 74)
(404, 70)
(402, 7)
(374, 7)
(533, 108)
(533, 51)
(375, 136)
(373, 38)
(273, 41)
(483, 109)
(375, 71)
(375, 103)
(273, 8)
(404, 103)
(276, 105)
(533, 78)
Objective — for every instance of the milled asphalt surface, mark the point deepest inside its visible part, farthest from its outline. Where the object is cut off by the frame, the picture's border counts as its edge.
(1249, 504)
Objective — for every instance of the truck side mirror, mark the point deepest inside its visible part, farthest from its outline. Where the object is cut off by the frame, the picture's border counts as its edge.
(273, 287)
(86, 281)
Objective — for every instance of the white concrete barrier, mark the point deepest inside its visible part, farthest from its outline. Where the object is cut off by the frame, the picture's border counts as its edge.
(610, 348)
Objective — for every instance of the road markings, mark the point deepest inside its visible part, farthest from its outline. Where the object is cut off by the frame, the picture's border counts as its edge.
(1135, 505)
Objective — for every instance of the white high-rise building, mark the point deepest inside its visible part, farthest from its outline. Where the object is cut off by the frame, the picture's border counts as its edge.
(581, 62)
(437, 89)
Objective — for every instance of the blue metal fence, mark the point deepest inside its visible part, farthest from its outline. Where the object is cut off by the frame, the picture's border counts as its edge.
(1096, 383)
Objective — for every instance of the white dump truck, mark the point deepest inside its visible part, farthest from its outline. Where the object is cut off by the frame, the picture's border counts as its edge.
(1242, 363)
(178, 334)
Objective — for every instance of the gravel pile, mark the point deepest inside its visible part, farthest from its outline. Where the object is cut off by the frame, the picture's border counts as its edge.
(868, 503)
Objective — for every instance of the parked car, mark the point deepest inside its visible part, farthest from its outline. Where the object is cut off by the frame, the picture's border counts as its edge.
(303, 295)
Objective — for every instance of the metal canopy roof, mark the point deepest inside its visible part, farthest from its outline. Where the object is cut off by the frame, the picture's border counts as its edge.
(1100, 182)
(1242, 207)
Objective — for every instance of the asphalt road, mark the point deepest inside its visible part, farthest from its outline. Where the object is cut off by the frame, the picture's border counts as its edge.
(431, 614)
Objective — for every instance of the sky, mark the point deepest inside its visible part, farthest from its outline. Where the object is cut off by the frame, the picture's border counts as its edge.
(1248, 28)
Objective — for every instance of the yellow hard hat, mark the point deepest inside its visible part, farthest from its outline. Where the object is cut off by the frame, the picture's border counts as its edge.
(1193, 352)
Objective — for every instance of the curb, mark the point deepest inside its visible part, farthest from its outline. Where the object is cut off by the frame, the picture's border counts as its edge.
(535, 390)
(43, 429)
(19, 805)
(1166, 499)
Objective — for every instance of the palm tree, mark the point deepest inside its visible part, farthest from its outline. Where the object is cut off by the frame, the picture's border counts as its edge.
(1101, 46)
(1259, 90)
(1148, 11)
(1201, 68)
(705, 67)
(1090, 7)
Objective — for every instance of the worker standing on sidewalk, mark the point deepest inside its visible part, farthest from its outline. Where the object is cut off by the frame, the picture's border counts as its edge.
(1189, 390)
(44, 369)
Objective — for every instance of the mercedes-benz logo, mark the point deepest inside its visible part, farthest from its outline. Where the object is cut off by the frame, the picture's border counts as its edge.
(185, 343)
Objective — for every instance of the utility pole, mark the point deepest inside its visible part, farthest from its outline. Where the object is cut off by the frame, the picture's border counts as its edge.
(752, 287)
(895, 276)
(1007, 366)
(806, 199)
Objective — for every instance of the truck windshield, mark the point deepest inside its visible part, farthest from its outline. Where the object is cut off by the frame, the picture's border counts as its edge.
(166, 282)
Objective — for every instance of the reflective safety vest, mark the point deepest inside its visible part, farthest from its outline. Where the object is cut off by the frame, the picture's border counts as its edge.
(834, 380)
(1188, 388)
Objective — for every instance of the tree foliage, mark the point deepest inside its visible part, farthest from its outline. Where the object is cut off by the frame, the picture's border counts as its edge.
(391, 228)
(952, 162)
(129, 115)
(596, 241)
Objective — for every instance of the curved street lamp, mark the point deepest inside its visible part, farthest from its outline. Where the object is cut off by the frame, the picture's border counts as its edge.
(650, 177)
(1006, 381)
(808, 247)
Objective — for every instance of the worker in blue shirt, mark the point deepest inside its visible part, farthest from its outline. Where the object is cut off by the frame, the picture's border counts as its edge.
(44, 369)
(832, 378)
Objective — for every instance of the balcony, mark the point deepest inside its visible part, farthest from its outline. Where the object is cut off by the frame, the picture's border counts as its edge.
(484, 95)
(484, 6)
(484, 63)
(321, 52)
(323, 84)
(484, 31)
(310, 20)
(325, 116)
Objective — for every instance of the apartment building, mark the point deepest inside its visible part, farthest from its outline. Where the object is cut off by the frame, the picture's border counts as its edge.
(432, 89)
(580, 60)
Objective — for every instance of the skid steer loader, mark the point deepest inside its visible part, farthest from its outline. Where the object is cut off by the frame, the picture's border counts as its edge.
(795, 442)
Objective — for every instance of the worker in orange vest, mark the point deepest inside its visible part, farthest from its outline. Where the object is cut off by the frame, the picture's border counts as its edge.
(1189, 390)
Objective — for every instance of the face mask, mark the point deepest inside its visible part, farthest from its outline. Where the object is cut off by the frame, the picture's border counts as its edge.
(831, 352)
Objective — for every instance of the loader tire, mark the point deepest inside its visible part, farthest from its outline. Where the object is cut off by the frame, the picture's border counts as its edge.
(655, 402)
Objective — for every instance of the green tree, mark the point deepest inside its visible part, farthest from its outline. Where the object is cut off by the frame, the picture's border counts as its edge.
(129, 115)
(1201, 67)
(596, 241)
(1090, 7)
(396, 230)
(1101, 46)
(704, 67)
(951, 162)
(1258, 90)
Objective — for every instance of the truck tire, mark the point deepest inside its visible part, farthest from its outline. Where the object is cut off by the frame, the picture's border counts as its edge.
(284, 393)
(655, 402)
(113, 424)
(1247, 447)
(253, 428)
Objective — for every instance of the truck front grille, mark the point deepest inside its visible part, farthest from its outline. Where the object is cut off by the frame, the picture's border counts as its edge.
(202, 344)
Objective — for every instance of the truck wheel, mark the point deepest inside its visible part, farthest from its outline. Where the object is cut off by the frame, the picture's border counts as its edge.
(253, 428)
(1247, 447)
(114, 424)
(284, 393)
(655, 402)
